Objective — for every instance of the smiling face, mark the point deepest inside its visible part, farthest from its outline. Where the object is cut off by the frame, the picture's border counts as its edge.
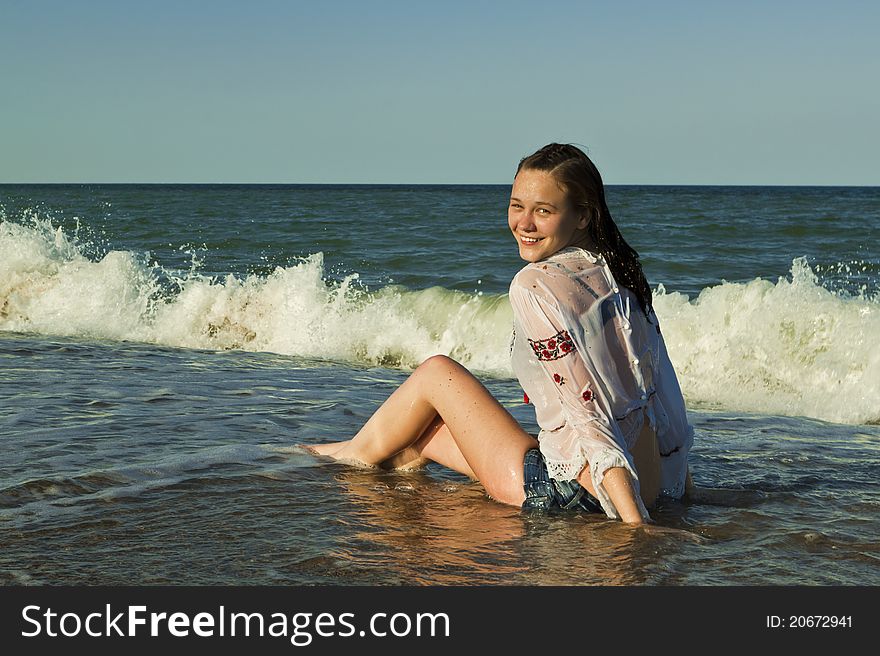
(541, 216)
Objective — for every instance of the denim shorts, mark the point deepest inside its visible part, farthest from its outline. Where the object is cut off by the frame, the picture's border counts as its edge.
(544, 493)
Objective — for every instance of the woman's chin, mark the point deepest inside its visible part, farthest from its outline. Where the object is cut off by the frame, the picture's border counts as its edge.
(529, 254)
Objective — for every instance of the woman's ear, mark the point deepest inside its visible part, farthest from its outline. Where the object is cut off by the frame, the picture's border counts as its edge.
(586, 216)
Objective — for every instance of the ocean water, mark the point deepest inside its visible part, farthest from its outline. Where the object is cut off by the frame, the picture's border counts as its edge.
(163, 348)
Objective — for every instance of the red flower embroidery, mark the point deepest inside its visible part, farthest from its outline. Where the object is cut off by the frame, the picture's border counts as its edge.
(559, 379)
(553, 347)
(587, 396)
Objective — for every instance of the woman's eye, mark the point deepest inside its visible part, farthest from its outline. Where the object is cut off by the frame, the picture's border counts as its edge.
(543, 210)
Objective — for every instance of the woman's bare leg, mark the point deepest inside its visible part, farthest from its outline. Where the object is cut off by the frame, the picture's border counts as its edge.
(440, 405)
(435, 444)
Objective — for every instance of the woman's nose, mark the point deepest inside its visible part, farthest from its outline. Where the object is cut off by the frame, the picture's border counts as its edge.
(527, 221)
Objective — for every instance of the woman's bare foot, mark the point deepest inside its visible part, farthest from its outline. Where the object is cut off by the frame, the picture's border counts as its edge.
(325, 449)
(409, 458)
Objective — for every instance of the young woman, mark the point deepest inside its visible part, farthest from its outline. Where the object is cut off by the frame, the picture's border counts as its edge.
(588, 352)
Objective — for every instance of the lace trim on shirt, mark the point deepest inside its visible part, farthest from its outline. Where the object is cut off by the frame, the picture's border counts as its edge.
(553, 348)
(565, 470)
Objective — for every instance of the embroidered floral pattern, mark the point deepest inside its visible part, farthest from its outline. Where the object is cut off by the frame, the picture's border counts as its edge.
(587, 396)
(553, 348)
(559, 380)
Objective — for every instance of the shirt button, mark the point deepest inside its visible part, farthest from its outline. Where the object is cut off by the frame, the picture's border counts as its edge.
(636, 361)
(616, 290)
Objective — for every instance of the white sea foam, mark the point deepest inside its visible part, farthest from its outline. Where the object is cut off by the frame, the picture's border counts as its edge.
(48, 286)
(790, 347)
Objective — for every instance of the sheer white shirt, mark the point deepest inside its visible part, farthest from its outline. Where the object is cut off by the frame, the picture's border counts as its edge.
(595, 367)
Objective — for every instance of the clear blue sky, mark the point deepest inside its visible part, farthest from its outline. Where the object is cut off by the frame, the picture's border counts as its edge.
(438, 92)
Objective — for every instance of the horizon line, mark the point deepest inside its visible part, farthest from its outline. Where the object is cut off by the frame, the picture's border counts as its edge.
(436, 184)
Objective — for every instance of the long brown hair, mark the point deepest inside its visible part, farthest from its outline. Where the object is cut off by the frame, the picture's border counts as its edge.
(580, 179)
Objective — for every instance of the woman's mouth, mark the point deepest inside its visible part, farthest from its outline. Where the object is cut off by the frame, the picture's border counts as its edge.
(529, 241)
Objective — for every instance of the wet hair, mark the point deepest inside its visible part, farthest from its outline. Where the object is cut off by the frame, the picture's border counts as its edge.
(580, 180)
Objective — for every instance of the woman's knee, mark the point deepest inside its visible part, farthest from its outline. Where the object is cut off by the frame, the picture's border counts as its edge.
(437, 362)
(438, 367)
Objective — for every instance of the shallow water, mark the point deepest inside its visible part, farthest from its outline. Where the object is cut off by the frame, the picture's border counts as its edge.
(131, 463)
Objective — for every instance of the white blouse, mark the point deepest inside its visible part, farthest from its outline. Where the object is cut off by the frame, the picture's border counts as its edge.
(595, 367)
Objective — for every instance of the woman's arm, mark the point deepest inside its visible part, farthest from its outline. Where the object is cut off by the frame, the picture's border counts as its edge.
(618, 484)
